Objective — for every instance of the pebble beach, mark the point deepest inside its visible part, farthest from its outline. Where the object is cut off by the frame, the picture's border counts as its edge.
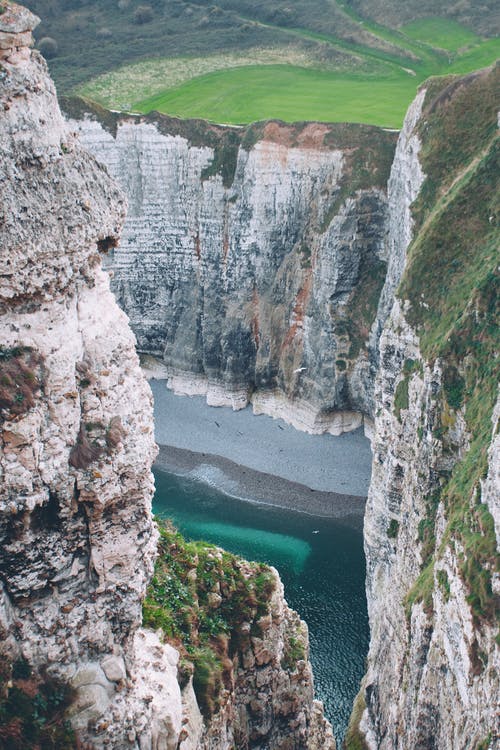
(259, 458)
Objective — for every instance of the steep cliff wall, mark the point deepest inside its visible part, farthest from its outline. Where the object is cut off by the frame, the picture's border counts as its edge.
(77, 540)
(252, 260)
(432, 518)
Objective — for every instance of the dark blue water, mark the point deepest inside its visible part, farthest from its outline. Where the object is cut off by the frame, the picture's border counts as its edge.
(320, 561)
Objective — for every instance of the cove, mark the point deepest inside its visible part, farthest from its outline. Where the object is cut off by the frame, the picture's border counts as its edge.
(320, 561)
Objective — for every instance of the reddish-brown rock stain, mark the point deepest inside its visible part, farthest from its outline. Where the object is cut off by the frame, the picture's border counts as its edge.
(298, 312)
(311, 136)
(255, 325)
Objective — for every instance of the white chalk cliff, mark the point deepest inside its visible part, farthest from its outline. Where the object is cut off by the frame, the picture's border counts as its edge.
(78, 543)
(251, 267)
(220, 288)
(432, 517)
(236, 289)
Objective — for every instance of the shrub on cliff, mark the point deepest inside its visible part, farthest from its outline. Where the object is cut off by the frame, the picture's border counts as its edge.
(48, 47)
(207, 602)
(32, 710)
(95, 439)
(143, 14)
(451, 285)
(20, 380)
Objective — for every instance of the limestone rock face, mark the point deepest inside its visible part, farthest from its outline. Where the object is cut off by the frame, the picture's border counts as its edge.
(433, 676)
(77, 540)
(262, 284)
(404, 183)
(425, 685)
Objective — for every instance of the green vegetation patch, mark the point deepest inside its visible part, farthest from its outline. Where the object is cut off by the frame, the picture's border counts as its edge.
(444, 583)
(78, 108)
(243, 95)
(458, 122)
(200, 596)
(33, 710)
(369, 153)
(117, 89)
(421, 590)
(393, 529)
(401, 395)
(452, 284)
(126, 52)
(427, 527)
(484, 744)
(21, 380)
(294, 652)
(479, 16)
(225, 158)
(440, 32)
(479, 56)
(453, 386)
(361, 308)
(354, 739)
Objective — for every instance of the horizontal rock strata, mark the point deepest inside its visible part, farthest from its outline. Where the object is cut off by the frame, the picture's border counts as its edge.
(252, 260)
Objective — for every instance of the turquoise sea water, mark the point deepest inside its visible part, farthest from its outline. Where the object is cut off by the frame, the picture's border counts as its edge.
(320, 561)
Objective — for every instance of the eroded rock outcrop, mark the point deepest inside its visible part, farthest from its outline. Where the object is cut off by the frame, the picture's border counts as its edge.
(245, 655)
(77, 538)
(252, 259)
(78, 542)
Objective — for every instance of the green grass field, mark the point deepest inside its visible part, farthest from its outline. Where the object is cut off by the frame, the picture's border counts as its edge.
(351, 82)
(441, 33)
(479, 56)
(243, 95)
(245, 60)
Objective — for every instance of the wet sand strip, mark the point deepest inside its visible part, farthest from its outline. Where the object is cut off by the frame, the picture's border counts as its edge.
(256, 486)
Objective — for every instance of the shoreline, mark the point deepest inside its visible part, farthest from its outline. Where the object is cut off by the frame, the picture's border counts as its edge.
(249, 485)
(339, 465)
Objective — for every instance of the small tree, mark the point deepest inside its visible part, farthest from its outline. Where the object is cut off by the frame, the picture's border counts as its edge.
(48, 47)
(143, 14)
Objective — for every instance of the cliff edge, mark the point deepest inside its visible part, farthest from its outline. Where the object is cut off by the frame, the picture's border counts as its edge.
(252, 258)
(433, 511)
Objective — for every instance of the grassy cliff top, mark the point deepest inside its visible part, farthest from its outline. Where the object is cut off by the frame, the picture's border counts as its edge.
(369, 150)
(481, 16)
(201, 597)
(241, 61)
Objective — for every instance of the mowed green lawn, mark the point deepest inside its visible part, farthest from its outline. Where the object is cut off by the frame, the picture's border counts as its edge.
(368, 85)
(478, 56)
(242, 95)
(440, 32)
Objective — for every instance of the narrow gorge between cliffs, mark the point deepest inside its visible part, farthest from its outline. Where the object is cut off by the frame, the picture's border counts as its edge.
(316, 272)
(315, 541)
(327, 282)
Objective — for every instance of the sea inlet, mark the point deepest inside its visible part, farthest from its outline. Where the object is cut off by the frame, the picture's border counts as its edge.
(261, 489)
